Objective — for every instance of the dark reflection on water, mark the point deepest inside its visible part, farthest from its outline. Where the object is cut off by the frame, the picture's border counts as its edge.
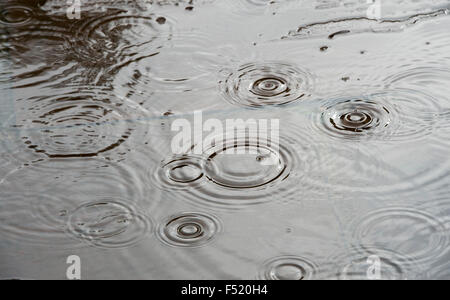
(359, 180)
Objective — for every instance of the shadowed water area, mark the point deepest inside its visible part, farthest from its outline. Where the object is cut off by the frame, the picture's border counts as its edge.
(361, 172)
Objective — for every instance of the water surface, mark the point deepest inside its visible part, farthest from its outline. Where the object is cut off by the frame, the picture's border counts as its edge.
(362, 169)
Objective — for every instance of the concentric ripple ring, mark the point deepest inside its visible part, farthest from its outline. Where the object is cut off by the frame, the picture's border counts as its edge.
(266, 84)
(189, 230)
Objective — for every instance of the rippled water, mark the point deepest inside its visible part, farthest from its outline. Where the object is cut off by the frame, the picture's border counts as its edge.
(361, 174)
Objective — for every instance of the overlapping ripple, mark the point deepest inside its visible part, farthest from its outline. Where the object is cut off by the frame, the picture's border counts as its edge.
(88, 124)
(80, 168)
(417, 234)
(116, 39)
(232, 173)
(30, 44)
(156, 81)
(39, 215)
(35, 219)
(91, 176)
(359, 265)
